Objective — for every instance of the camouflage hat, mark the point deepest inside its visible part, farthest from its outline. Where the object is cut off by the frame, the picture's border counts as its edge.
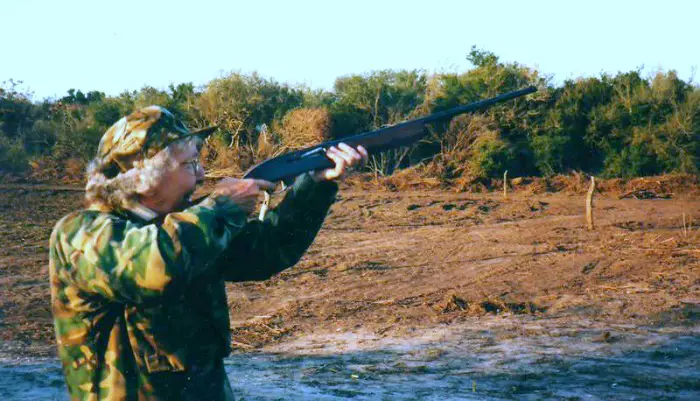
(141, 135)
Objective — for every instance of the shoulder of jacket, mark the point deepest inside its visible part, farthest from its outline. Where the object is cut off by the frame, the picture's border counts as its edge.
(85, 219)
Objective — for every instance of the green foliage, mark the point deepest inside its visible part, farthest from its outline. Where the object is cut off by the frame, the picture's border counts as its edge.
(239, 104)
(107, 112)
(482, 58)
(550, 153)
(514, 121)
(490, 156)
(76, 131)
(148, 96)
(316, 99)
(13, 157)
(488, 79)
(567, 139)
(78, 97)
(624, 125)
(41, 138)
(366, 102)
(17, 113)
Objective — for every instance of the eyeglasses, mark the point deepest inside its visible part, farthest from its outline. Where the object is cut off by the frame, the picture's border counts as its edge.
(193, 164)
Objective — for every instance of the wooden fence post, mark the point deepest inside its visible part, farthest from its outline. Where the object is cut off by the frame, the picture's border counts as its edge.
(589, 204)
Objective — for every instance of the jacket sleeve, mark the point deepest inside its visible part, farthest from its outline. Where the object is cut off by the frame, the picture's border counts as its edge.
(106, 255)
(265, 248)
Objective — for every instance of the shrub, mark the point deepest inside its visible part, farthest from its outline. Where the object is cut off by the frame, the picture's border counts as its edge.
(490, 156)
(304, 127)
(13, 157)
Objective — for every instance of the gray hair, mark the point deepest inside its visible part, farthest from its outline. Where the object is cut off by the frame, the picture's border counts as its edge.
(123, 190)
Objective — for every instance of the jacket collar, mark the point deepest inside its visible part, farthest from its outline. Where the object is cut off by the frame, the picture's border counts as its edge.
(142, 212)
(135, 210)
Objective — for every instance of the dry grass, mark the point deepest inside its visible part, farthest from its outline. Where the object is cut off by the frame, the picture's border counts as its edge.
(412, 178)
(220, 160)
(428, 177)
(300, 128)
(576, 182)
(304, 127)
(457, 145)
(69, 171)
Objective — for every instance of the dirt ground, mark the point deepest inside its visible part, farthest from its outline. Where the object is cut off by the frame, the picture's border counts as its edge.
(393, 263)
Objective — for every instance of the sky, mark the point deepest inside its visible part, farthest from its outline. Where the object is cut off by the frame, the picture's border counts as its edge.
(113, 46)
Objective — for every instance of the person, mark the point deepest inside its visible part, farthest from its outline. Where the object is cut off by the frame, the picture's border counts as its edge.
(137, 278)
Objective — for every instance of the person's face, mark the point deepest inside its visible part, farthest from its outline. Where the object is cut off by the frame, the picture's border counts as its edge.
(178, 185)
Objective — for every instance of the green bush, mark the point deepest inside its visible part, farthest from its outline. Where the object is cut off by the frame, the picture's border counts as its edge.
(490, 156)
(551, 153)
(13, 157)
(622, 125)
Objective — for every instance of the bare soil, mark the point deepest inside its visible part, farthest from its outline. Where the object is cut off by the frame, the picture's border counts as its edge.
(389, 264)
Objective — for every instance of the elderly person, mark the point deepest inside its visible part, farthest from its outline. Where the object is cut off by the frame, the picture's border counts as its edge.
(137, 278)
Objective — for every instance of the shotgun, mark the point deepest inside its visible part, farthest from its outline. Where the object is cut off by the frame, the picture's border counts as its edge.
(289, 165)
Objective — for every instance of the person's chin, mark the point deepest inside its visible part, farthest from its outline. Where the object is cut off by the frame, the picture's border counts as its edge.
(186, 199)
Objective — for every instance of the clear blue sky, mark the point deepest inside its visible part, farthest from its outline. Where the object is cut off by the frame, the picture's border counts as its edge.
(123, 45)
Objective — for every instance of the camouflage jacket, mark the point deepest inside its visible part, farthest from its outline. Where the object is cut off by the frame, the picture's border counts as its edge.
(140, 307)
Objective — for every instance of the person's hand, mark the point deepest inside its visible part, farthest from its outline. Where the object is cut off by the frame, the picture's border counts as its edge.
(244, 193)
(345, 158)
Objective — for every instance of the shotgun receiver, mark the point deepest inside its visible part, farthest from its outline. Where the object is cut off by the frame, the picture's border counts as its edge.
(289, 165)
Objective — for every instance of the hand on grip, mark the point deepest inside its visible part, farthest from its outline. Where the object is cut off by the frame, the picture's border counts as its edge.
(244, 193)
